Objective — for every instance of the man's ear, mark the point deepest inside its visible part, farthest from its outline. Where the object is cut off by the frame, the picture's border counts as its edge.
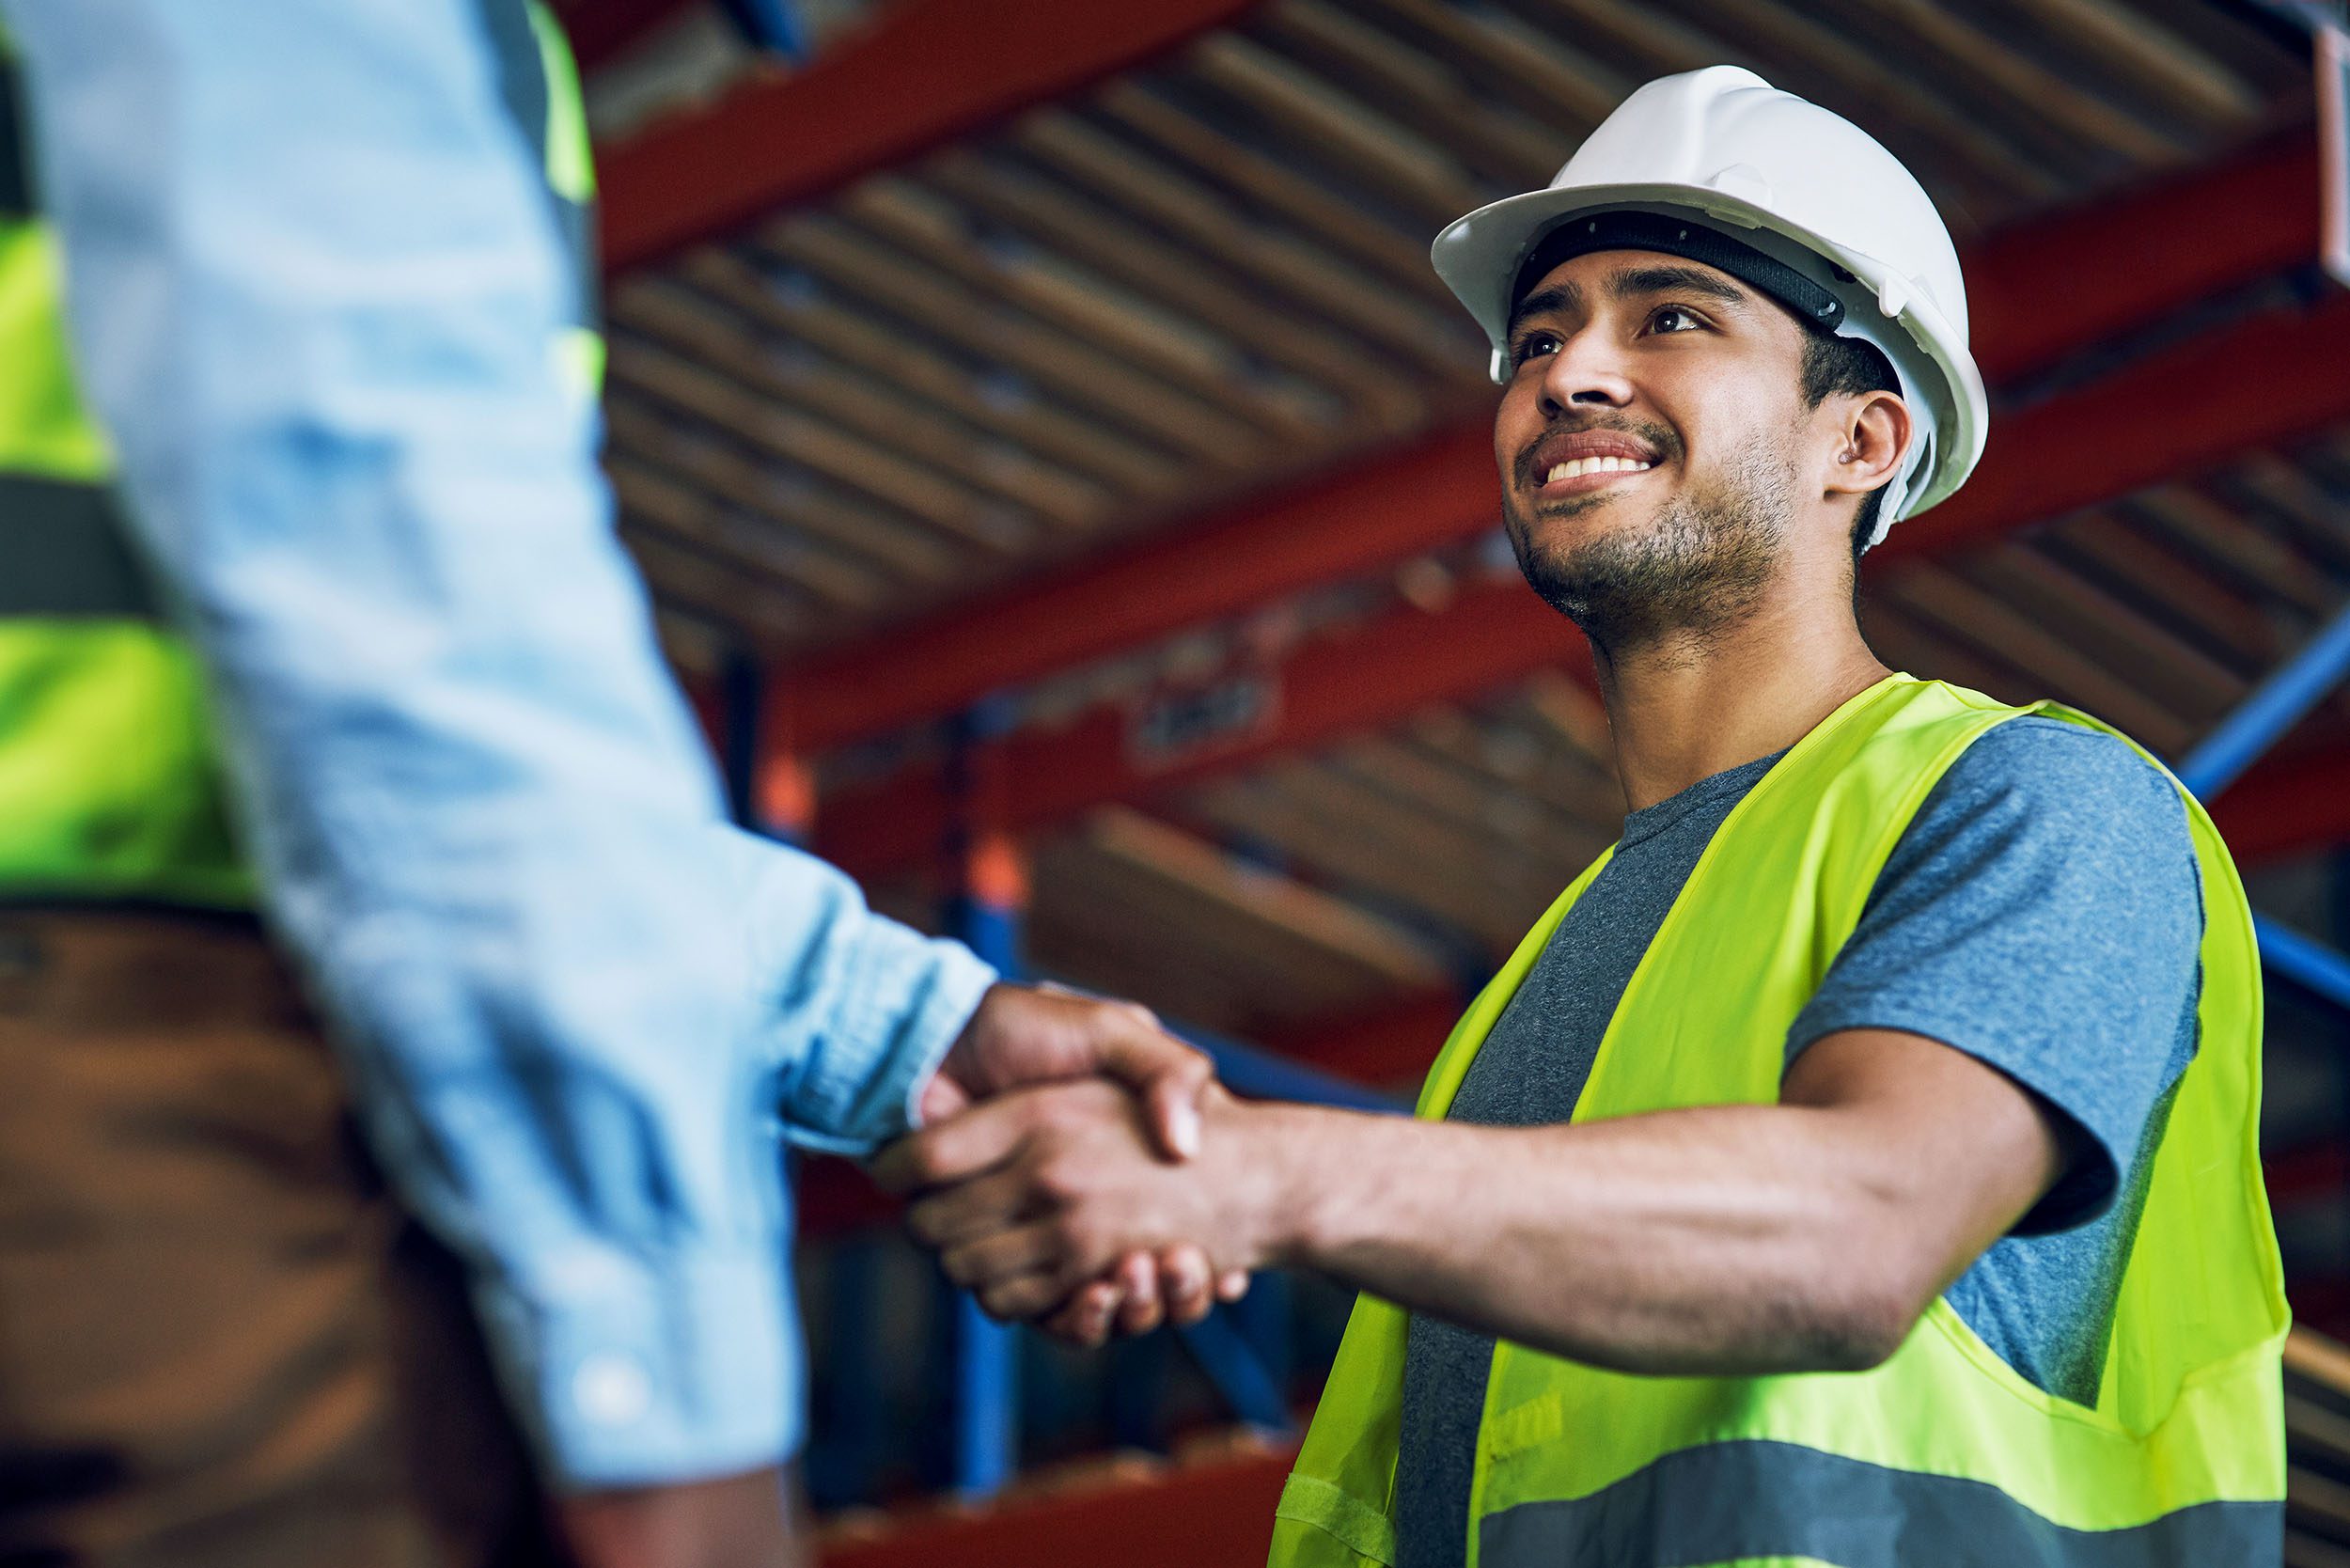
(1874, 438)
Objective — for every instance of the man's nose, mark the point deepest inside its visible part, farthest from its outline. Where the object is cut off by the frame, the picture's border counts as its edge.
(1585, 371)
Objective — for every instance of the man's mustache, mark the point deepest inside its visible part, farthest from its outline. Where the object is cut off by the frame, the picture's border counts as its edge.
(1526, 467)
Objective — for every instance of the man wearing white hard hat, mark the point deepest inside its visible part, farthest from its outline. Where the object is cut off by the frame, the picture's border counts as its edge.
(1857, 1166)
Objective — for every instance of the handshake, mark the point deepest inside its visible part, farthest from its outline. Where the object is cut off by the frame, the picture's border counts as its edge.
(1081, 1169)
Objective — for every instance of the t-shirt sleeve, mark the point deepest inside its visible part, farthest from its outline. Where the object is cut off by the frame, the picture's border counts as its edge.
(2041, 912)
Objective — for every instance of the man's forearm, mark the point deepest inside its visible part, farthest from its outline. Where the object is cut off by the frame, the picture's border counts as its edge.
(1802, 1235)
(1725, 1239)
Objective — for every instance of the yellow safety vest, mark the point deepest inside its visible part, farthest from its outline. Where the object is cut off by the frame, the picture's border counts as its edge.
(1943, 1457)
(110, 781)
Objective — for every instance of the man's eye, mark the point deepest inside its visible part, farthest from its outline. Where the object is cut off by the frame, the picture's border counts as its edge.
(1674, 318)
(1534, 345)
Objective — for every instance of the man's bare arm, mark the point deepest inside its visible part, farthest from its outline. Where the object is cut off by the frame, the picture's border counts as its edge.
(1804, 1236)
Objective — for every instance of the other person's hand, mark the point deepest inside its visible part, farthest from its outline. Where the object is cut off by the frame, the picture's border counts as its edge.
(1023, 1035)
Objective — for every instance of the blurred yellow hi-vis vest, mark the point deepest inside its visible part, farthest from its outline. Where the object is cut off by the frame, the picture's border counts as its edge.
(1943, 1457)
(110, 781)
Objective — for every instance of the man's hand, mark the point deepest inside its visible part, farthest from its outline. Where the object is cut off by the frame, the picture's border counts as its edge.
(1035, 1194)
(1022, 1036)
(737, 1522)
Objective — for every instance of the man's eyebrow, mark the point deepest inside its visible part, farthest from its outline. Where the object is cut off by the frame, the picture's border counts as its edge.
(1634, 281)
(1545, 302)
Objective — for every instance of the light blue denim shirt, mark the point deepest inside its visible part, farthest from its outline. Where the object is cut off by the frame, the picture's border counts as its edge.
(314, 284)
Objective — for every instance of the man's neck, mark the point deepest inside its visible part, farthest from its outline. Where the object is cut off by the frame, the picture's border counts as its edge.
(1683, 709)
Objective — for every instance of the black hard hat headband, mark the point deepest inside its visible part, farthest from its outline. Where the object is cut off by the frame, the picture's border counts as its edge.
(1673, 236)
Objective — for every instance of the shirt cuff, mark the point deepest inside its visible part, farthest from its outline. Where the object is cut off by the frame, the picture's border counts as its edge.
(642, 1371)
(856, 1087)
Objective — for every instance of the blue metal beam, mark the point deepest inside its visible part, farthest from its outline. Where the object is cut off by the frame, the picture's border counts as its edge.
(2259, 721)
(1260, 1074)
(2299, 684)
(1237, 1371)
(987, 1353)
(2308, 962)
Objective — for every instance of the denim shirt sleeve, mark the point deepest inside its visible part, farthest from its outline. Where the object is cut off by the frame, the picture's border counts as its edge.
(315, 290)
(856, 1009)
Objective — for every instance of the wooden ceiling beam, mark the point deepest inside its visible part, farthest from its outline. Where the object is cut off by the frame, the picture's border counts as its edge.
(863, 405)
(922, 374)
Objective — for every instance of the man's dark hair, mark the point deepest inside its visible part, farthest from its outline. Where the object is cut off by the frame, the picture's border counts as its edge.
(1833, 365)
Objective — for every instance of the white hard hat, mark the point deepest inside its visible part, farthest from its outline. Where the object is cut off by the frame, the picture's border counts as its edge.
(1846, 235)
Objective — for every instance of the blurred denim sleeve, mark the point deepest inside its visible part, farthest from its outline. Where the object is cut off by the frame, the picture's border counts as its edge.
(314, 287)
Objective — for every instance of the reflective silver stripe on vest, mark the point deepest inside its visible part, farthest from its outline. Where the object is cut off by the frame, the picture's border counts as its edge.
(64, 552)
(1729, 1501)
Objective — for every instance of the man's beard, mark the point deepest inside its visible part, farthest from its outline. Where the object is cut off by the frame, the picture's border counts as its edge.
(1694, 575)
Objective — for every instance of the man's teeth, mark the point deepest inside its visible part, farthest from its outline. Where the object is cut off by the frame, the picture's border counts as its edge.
(1577, 467)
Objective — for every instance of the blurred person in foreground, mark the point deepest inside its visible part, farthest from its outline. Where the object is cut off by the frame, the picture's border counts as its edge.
(323, 303)
(1858, 1164)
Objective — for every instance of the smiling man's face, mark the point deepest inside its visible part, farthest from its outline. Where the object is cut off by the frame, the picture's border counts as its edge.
(1649, 439)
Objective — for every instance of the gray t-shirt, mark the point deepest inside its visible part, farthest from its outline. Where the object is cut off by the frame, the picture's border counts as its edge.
(2041, 912)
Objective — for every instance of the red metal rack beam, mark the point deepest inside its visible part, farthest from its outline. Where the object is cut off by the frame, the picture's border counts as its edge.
(1205, 1513)
(602, 30)
(2286, 806)
(1262, 550)
(1489, 635)
(2095, 272)
(2041, 292)
(2266, 380)
(925, 73)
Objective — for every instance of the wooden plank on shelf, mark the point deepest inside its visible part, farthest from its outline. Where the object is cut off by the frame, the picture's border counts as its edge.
(1508, 820)
(2319, 523)
(1134, 329)
(886, 474)
(2216, 615)
(1984, 167)
(658, 501)
(2126, 44)
(1566, 90)
(864, 406)
(1404, 875)
(872, 345)
(2115, 634)
(655, 446)
(684, 577)
(2266, 565)
(922, 294)
(1399, 259)
(1416, 87)
(1377, 391)
(1358, 141)
(1962, 611)
(2015, 87)
(1309, 277)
